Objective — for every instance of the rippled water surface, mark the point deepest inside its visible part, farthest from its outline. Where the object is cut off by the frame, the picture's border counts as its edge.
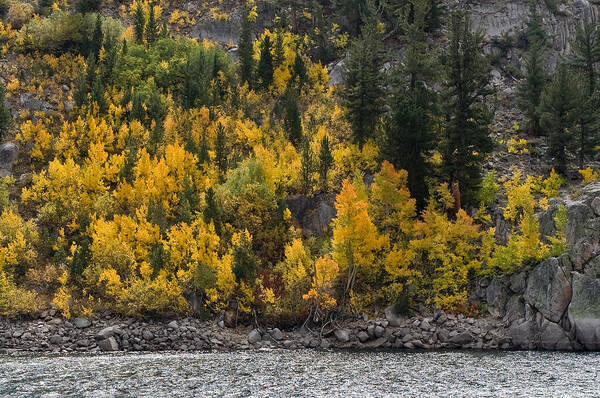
(304, 374)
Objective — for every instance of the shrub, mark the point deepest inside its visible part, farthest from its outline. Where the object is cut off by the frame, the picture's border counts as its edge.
(19, 14)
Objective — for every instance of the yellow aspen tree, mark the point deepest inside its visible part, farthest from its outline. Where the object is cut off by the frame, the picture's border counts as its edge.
(356, 240)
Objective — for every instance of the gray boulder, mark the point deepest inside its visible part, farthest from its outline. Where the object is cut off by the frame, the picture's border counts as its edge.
(553, 337)
(28, 101)
(173, 325)
(342, 335)
(461, 339)
(254, 336)
(109, 344)
(105, 333)
(277, 334)
(584, 310)
(147, 335)
(548, 290)
(393, 317)
(577, 213)
(81, 323)
(595, 205)
(8, 155)
(523, 334)
(363, 336)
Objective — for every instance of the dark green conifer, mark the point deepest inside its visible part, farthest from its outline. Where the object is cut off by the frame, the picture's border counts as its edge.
(529, 90)
(264, 69)
(152, 29)
(221, 151)
(325, 163)
(292, 121)
(5, 114)
(245, 48)
(467, 139)
(139, 23)
(363, 92)
(559, 115)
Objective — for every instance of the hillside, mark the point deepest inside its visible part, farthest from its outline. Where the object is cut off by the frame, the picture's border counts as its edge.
(286, 161)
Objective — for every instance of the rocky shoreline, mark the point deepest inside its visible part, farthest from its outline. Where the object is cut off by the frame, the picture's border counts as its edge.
(55, 335)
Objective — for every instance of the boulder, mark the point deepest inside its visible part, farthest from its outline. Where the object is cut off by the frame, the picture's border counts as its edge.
(56, 340)
(277, 334)
(336, 73)
(254, 336)
(548, 290)
(379, 331)
(8, 155)
(147, 335)
(28, 101)
(425, 325)
(553, 337)
(342, 335)
(377, 343)
(523, 334)
(362, 336)
(81, 323)
(229, 319)
(173, 325)
(461, 339)
(105, 333)
(109, 344)
(393, 317)
(584, 310)
(496, 296)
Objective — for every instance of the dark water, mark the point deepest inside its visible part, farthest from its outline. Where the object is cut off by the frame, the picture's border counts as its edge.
(304, 374)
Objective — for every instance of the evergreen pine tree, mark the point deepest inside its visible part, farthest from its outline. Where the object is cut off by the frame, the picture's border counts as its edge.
(434, 18)
(264, 70)
(245, 47)
(80, 91)
(292, 122)
(299, 71)
(221, 151)
(5, 114)
(152, 29)
(585, 55)
(558, 115)
(307, 167)
(139, 23)
(529, 90)
(124, 47)
(325, 163)
(278, 51)
(97, 38)
(408, 136)
(363, 80)
(212, 211)
(467, 133)
(534, 29)
(97, 94)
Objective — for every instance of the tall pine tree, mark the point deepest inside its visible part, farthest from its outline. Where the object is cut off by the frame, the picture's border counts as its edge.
(264, 70)
(408, 129)
(559, 114)
(467, 139)
(363, 92)
(325, 163)
(585, 55)
(152, 29)
(529, 90)
(139, 23)
(245, 47)
(292, 121)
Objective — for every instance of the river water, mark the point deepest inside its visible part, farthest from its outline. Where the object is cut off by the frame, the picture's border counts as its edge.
(304, 373)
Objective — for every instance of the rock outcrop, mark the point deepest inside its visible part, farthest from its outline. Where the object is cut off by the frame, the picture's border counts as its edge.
(556, 304)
